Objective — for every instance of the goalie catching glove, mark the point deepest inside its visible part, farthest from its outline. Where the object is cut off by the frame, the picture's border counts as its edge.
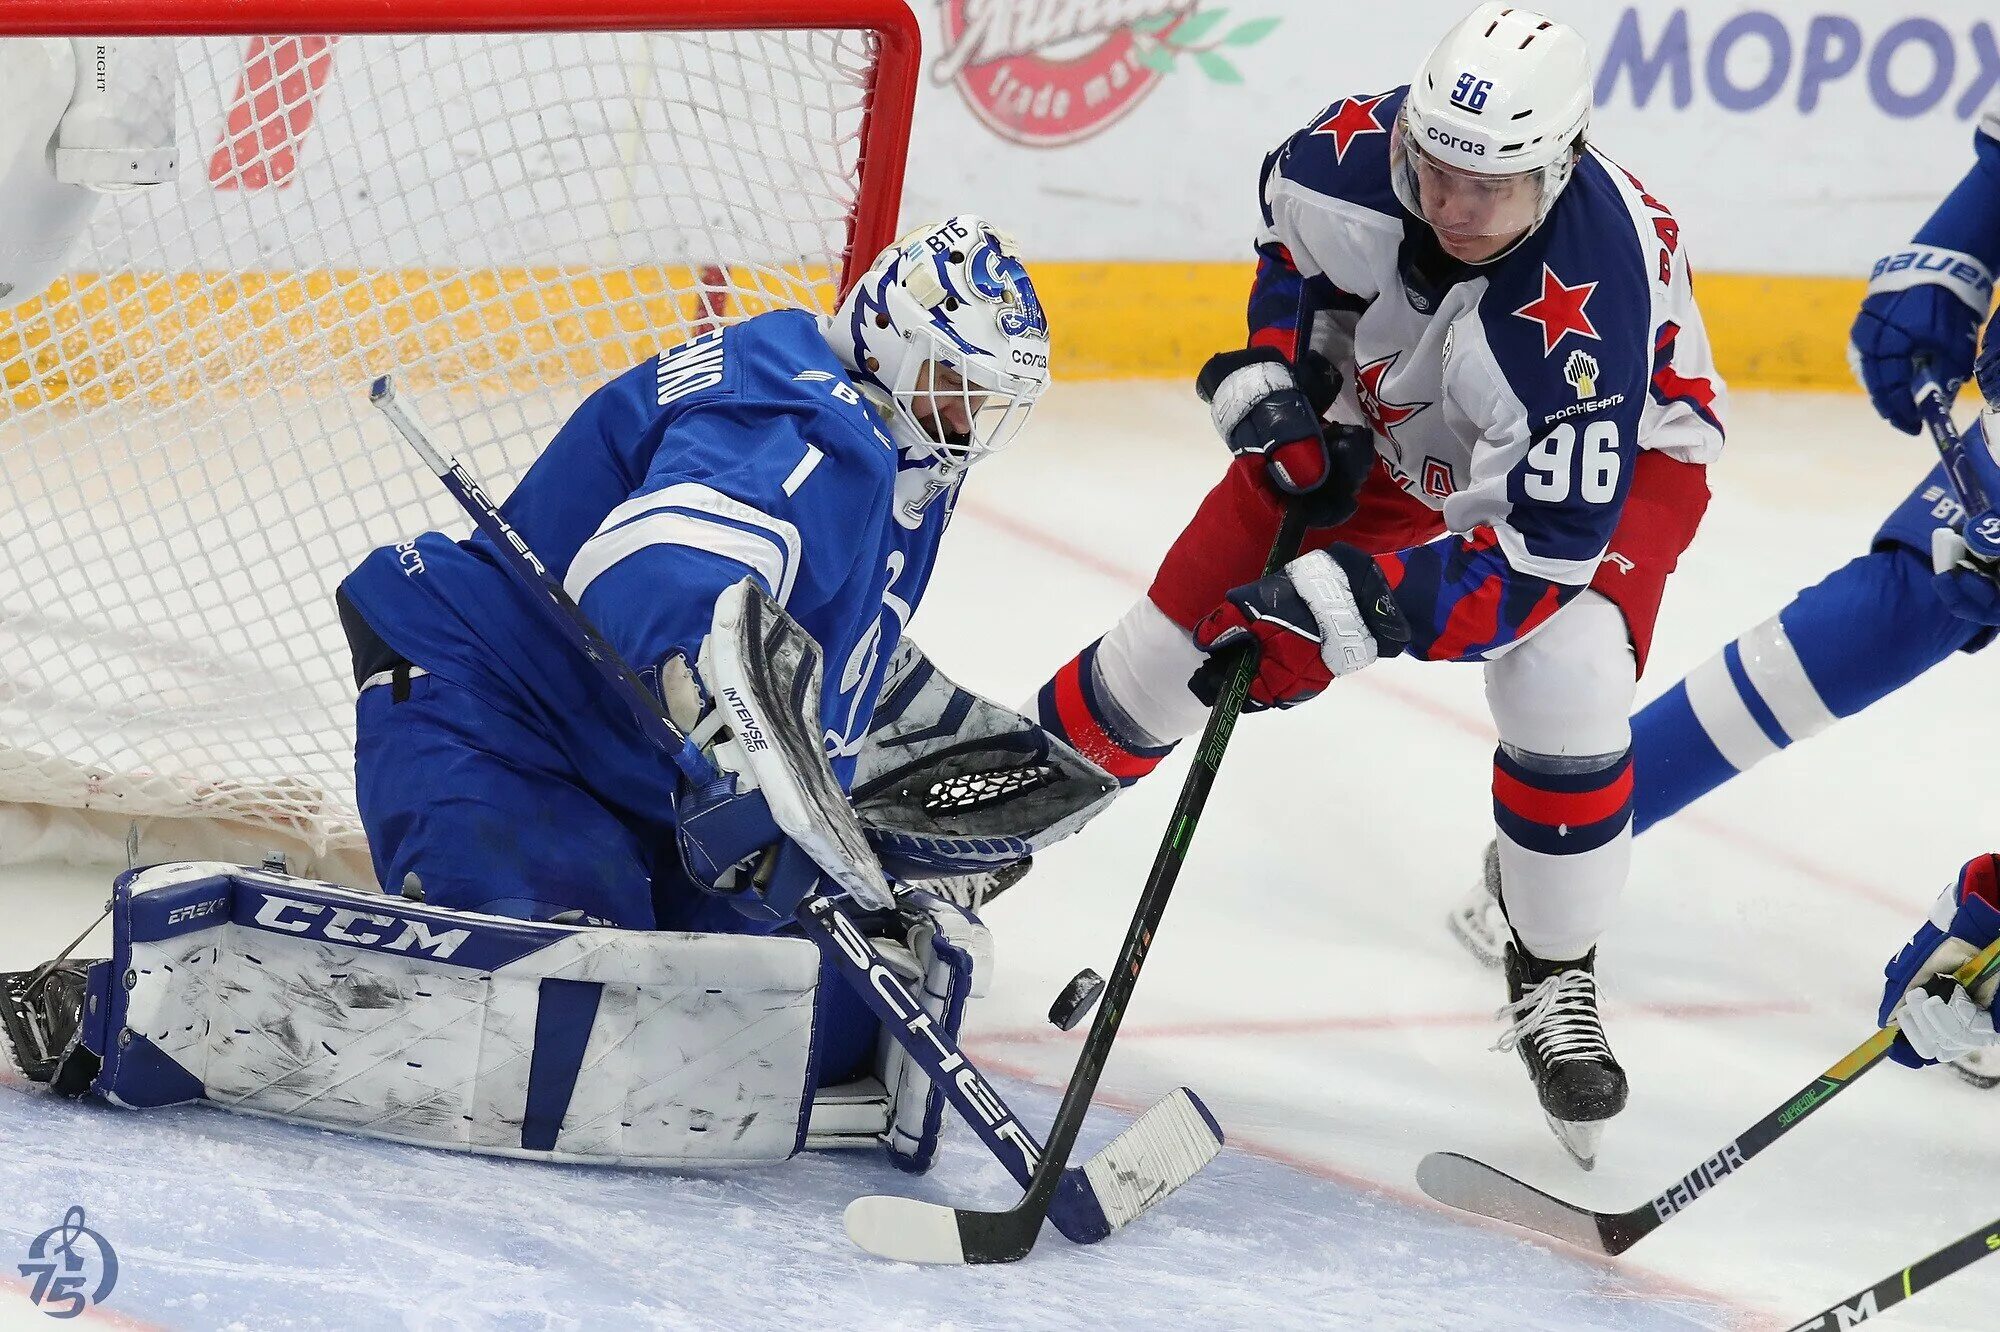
(1326, 614)
(949, 783)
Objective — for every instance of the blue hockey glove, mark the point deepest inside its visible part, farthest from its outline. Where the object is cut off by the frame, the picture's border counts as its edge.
(1326, 614)
(1923, 301)
(1263, 411)
(1939, 1020)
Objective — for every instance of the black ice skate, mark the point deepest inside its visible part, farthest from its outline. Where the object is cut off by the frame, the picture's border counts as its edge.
(1560, 1038)
(41, 1012)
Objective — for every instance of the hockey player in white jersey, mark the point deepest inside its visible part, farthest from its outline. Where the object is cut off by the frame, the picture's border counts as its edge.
(1518, 461)
(583, 964)
(1912, 600)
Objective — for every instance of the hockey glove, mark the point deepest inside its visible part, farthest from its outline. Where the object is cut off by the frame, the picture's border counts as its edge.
(1922, 302)
(1326, 614)
(1939, 1020)
(1262, 411)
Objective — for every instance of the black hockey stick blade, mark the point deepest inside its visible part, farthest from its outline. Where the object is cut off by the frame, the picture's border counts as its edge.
(1162, 1150)
(927, 1232)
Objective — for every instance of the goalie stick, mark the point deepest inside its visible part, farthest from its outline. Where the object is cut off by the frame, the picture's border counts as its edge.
(1473, 1186)
(1893, 1289)
(916, 1231)
(1132, 1174)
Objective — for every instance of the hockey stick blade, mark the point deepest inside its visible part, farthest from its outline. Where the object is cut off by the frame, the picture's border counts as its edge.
(1162, 1150)
(1473, 1186)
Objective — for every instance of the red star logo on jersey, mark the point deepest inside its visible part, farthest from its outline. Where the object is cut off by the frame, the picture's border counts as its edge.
(1351, 118)
(1382, 417)
(1559, 310)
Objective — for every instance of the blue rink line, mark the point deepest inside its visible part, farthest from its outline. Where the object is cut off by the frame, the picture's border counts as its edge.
(225, 1221)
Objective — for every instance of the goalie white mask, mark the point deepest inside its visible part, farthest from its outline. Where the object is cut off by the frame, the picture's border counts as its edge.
(1490, 129)
(945, 326)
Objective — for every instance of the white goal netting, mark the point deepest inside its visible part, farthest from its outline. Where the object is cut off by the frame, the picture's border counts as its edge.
(187, 458)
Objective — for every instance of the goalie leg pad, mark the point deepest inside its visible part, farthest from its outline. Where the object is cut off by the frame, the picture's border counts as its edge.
(271, 995)
(948, 961)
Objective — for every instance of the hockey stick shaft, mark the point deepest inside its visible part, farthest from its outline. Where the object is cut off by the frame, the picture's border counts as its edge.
(1899, 1286)
(1477, 1187)
(535, 579)
(859, 962)
(1159, 887)
(1934, 406)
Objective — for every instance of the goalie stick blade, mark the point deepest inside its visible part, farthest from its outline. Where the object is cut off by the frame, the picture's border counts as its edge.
(1160, 1151)
(1473, 1186)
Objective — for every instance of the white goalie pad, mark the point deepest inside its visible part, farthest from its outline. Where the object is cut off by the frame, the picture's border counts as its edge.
(278, 996)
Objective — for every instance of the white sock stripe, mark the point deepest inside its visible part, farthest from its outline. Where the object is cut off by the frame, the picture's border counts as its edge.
(1780, 678)
(1725, 716)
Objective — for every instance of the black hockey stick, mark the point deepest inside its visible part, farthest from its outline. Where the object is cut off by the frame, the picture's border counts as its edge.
(915, 1231)
(1097, 1198)
(1893, 1289)
(1473, 1186)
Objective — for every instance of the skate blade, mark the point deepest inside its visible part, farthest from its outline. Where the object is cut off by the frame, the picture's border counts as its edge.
(1579, 1139)
(1468, 927)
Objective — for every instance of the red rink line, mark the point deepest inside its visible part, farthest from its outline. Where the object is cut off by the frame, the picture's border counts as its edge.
(1738, 838)
(1744, 1318)
(1365, 1022)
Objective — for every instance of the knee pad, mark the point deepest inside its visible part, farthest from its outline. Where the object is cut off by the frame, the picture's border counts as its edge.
(1567, 689)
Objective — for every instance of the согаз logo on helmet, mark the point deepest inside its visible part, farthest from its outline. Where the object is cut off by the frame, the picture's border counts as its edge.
(1051, 72)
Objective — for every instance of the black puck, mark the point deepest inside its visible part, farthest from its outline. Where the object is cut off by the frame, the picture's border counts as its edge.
(1073, 1005)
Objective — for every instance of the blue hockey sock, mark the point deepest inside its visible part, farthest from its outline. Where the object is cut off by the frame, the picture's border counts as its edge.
(1859, 634)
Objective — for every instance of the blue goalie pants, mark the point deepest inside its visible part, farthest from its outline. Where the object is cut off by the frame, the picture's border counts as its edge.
(491, 816)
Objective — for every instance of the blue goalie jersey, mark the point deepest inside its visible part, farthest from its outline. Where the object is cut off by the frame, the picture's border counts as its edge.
(746, 451)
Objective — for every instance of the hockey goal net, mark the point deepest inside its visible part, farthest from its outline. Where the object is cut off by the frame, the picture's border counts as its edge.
(502, 217)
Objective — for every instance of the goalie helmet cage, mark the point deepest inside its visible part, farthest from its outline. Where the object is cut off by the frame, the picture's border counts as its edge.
(504, 204)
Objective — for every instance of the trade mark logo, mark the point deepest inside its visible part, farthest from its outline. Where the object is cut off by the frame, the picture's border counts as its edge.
(70, 1267)
(1045, 73)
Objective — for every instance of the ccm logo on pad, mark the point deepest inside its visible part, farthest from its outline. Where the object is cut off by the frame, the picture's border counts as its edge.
(369, 929)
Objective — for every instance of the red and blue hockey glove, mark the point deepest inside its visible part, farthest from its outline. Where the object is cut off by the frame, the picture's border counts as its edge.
(1263, 411)
(1326, 614)
(1940, 1021)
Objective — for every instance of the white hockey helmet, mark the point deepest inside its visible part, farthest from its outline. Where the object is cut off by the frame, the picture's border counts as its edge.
(1492, 125)
(945, 326)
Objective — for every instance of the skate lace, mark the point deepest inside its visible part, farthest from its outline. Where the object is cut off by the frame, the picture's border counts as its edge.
(1560, 1016)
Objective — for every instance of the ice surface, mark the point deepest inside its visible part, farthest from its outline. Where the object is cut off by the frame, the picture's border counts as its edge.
(1302, 981)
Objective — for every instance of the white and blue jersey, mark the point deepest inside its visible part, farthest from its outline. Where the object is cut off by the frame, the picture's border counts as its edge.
(748, 451)
(1511, 397)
